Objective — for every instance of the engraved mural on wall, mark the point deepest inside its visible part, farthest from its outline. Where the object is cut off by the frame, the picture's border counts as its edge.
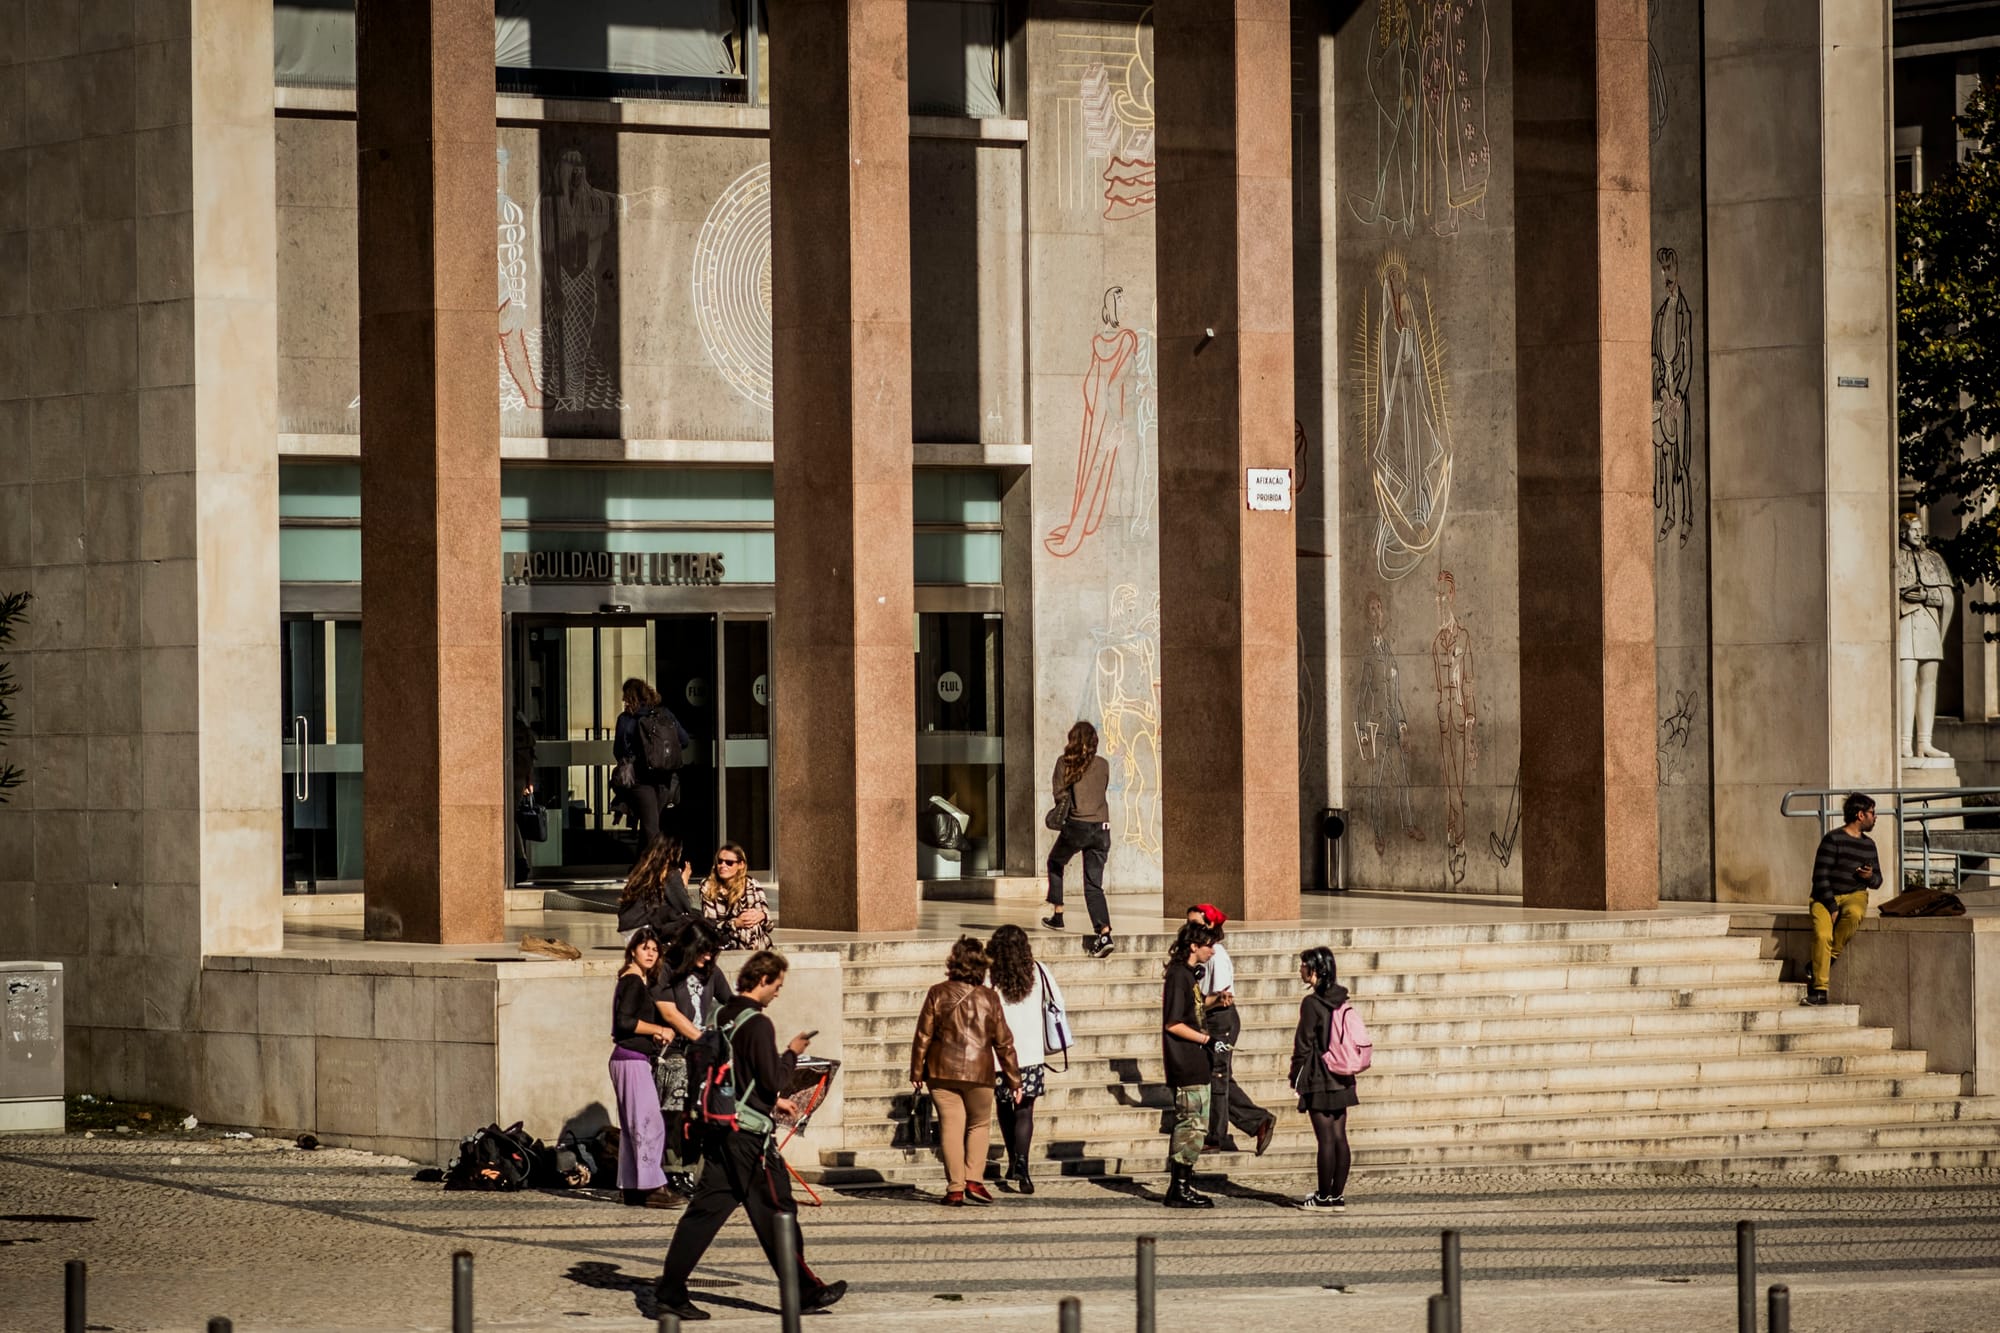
(1457, 718)
(1432, 156)
(1399, 363)
(1676, 730)
(1503, 841)
(1104, 146)
(732, 284)
(1382, 737)
(1673, 413)
(1125, 689)
(575, 221)
(1120, 416)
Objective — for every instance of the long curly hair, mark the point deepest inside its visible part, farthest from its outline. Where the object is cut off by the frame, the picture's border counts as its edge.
(1013, 963)
(967, 962)
(1077, 754)
(729, 892)
(647, 884)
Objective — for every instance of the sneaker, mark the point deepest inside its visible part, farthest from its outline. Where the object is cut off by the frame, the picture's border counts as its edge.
(681, 1182)
(1053, 922)
(1324, 1203)
(977, 1193)
(1264, 1133)
(1100, 947)
(822, 1296)
(1815, 996)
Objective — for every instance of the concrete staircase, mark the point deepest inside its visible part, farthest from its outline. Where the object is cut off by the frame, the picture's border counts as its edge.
(1657, 1044)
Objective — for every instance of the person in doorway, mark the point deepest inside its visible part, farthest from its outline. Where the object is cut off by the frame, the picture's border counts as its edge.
(1323, 1095)
(635, 1043)
(524, 781)
(741, 1167)
(960, 1037)
(647, 790)
(656, 892)
(1026, 993)
(1184, 1042)
(733, 903)
(691, 991)
(1227, 1102)
(1085, 776)
(1846, 867)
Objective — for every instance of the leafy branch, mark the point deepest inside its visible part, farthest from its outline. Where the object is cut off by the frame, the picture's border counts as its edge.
(13, 610)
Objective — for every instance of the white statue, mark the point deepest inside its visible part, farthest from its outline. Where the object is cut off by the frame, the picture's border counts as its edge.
(1924, 585)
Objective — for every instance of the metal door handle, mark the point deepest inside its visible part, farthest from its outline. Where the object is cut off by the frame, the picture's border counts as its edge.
(304, 775)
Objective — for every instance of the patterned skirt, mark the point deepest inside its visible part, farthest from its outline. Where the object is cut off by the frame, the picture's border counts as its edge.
(1033, 1080)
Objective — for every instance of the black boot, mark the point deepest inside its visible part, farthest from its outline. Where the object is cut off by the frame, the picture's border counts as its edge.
(1180, 1193)
(1021, 1180)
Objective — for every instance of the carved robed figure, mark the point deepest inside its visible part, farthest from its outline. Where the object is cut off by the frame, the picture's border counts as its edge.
(1924, 593)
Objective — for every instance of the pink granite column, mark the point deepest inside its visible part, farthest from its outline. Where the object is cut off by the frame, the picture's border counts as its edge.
(1590, 831)
(1228, 609)
(434, 826)
(840, 313)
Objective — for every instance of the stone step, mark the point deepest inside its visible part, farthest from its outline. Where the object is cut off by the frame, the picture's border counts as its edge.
(1962, 1142)
(1054, 1110)
(1267, 1021)
(1388, 1005)
(1049, 944)
(1427, 1079)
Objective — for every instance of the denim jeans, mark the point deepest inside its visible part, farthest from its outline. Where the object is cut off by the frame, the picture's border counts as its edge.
(1094, 841)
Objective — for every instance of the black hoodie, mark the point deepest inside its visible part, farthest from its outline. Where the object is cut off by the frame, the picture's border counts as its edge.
(1309, 1073)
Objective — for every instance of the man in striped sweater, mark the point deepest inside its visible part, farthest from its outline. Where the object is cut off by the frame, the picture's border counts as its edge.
(1846, 867)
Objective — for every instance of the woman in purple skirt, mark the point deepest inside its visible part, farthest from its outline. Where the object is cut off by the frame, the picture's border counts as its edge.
(636, 1040)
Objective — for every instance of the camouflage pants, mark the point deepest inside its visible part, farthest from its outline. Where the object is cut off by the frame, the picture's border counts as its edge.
(1190, 1124)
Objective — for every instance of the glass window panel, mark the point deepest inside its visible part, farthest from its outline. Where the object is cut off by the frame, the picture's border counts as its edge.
(955, 495)
(747, 557)
(957, 557)
(681, 38)
(955, 57)
(319, 555)
(658, 495)
(313, 43)
(319, 490)
(958, 673)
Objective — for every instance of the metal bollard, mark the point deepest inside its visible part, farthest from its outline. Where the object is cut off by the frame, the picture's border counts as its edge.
(1148, 1283)
(1454, 1285)
(1746, 1277)
(788, 1272)
(669, 1322)
(73, 1296)
(1781, 1308)
(1069, 1315)
(1440, 1314)
(217, 1324)
(461, 1292)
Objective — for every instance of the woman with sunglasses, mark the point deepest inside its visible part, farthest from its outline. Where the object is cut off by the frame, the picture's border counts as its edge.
(734, 903)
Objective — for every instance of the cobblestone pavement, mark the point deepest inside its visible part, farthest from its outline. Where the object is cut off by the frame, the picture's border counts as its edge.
(176, 1231)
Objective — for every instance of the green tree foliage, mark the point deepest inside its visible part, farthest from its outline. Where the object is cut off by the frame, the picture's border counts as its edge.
(1948, 339)
(13, 610)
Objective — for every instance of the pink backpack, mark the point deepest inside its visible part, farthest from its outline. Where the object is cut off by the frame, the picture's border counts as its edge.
(1348, 1048)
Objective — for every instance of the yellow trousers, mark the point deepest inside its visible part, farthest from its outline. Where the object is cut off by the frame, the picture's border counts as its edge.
(1832, 930)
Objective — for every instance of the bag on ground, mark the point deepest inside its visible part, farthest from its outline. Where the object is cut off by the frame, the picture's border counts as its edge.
(1349, 1050)
(496, 1159)
(1924, 902)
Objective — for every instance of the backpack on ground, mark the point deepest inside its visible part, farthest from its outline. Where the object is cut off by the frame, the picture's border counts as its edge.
(1349, 1050)
(716, 1098)
(1924, 902)
(660, 740)
(496, 1159)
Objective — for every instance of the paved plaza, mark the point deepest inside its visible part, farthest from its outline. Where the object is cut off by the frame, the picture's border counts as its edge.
(178, 1229)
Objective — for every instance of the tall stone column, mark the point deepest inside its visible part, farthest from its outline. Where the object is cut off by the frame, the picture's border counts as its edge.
(433, 833)
(841, 458)
(1228, 577)
(1582, 289)
(1803, 497)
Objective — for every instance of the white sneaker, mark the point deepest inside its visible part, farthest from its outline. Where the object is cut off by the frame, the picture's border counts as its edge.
(1324, 1203)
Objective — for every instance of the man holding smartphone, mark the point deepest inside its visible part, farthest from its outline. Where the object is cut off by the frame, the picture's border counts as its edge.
(1846, 867)
(742, 1166)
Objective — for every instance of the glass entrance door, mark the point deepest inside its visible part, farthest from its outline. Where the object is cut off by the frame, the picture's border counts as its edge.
(569, 673)
(321, 692)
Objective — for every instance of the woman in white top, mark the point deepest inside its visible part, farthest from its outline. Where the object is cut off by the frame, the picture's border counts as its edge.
(1026, 991)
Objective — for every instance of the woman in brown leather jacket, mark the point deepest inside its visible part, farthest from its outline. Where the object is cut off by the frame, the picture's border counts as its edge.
(961, 1035)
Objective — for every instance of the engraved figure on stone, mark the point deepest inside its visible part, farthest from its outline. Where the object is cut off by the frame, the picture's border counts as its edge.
(1390, 197)
(1108, 384)
(1673, 420)
(574, 223)
(1410, 459)
(1127, 681)
(1382, 732)
(1457, 717)
(1925, 589)
(519, 387)
(1456, 49)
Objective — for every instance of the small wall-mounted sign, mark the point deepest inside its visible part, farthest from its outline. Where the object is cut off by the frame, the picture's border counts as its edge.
(950, 687)
(1269, 488)
(1851, 381)
(630, 568)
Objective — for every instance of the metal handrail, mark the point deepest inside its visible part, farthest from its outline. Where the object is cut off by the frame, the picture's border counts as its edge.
(1909, 805)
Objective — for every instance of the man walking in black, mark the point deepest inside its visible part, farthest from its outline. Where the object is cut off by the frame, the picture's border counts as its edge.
(742, 1166)
(1846, 867)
